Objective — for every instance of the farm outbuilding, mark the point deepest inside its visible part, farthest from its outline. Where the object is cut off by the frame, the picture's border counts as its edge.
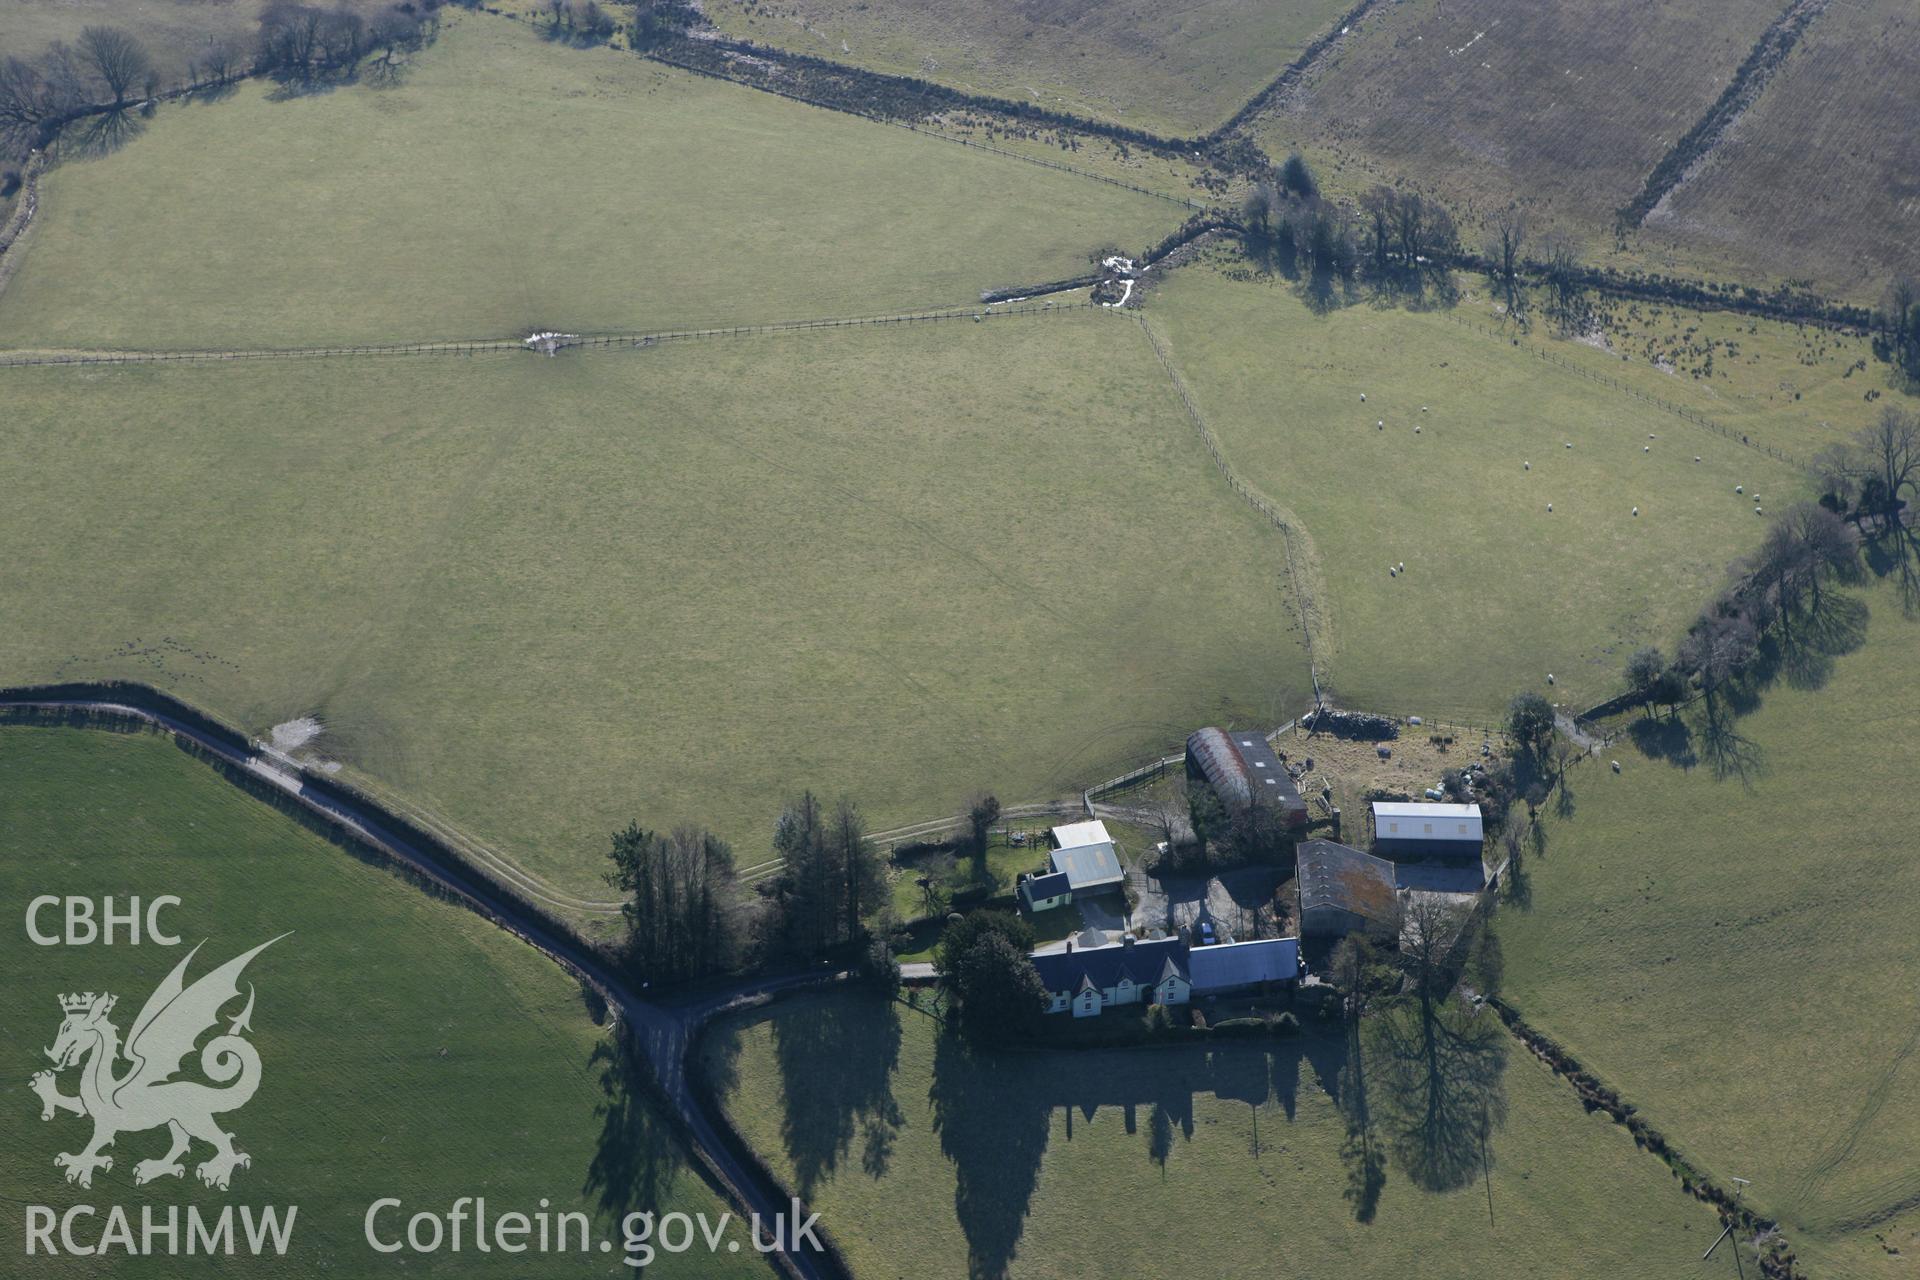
(1042, 893)
(1083, 862)
(1447, 830)
(1083, 852)
(1243, 771)
(1243, 966)
(1342, 889)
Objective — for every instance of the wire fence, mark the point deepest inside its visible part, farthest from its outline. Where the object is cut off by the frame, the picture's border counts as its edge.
(1668, 406)
(482, 346)
(1253, 497)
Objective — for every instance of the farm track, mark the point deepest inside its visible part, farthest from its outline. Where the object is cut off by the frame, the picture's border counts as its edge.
(1903, 1194)
(663, 1030)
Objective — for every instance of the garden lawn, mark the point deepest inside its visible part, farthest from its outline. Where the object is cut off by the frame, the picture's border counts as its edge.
(1498, 592)
(1737, 956)
(409, 1049)
(508, 184)
(924, 1160)
(539, 599)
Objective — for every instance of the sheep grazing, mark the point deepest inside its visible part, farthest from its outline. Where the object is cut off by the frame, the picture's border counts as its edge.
(1423, 408)
(1363, 397)
(1739, 488)
(1756, 511)
(1636, 511)
(1569, 444)
(1615, 764)
(1403, 566)
(1696, 457)
(1650, 435)
(1549, 677)
(1549, 507)
(1416, 431)
(1382, 423)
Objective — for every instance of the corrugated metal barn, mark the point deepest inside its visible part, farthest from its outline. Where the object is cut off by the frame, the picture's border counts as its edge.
(1243, 770)
(1448, 830)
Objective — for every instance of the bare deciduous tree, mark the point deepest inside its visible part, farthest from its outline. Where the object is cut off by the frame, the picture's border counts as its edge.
(118, 60)
(1890, 449)
(981, 812)
(1566, 290)
(32, 101)
(1504, 246)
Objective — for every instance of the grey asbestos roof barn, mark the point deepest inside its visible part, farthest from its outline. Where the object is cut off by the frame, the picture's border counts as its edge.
(1244, 964)
(1341, 886)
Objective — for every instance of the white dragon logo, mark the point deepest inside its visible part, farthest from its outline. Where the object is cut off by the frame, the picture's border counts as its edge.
(146, 1097)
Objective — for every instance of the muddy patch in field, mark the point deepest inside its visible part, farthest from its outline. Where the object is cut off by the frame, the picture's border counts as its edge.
(290, 739)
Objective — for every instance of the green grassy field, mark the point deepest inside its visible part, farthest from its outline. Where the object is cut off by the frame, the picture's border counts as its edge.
(508, 184)
(1791, 387)
(1498, 592)
(408, 1048)
(540, 598)
(1737, 956)
(924, 1160)
(1171, 68)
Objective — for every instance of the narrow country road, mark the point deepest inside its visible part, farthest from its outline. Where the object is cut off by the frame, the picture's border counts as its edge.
(663, 1030)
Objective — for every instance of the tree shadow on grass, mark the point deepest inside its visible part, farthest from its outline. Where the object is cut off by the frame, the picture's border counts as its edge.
(837, 1058)
(1665, 738)
(91, 137)
(638, 1156)
(1727, 751)
(995, 1133)
(1894, 553)
(1361, 1150)
(1441, 1089)
(1802, 653)
(206, 94)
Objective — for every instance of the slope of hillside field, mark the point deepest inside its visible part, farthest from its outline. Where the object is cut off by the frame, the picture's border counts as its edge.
(541, 598)
(1016, 1165)
(1178, 68)
(408, 1049)
(1724, 932)
(1820, 178)
(1498, 591)
(507, 184)
(1565, 107)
